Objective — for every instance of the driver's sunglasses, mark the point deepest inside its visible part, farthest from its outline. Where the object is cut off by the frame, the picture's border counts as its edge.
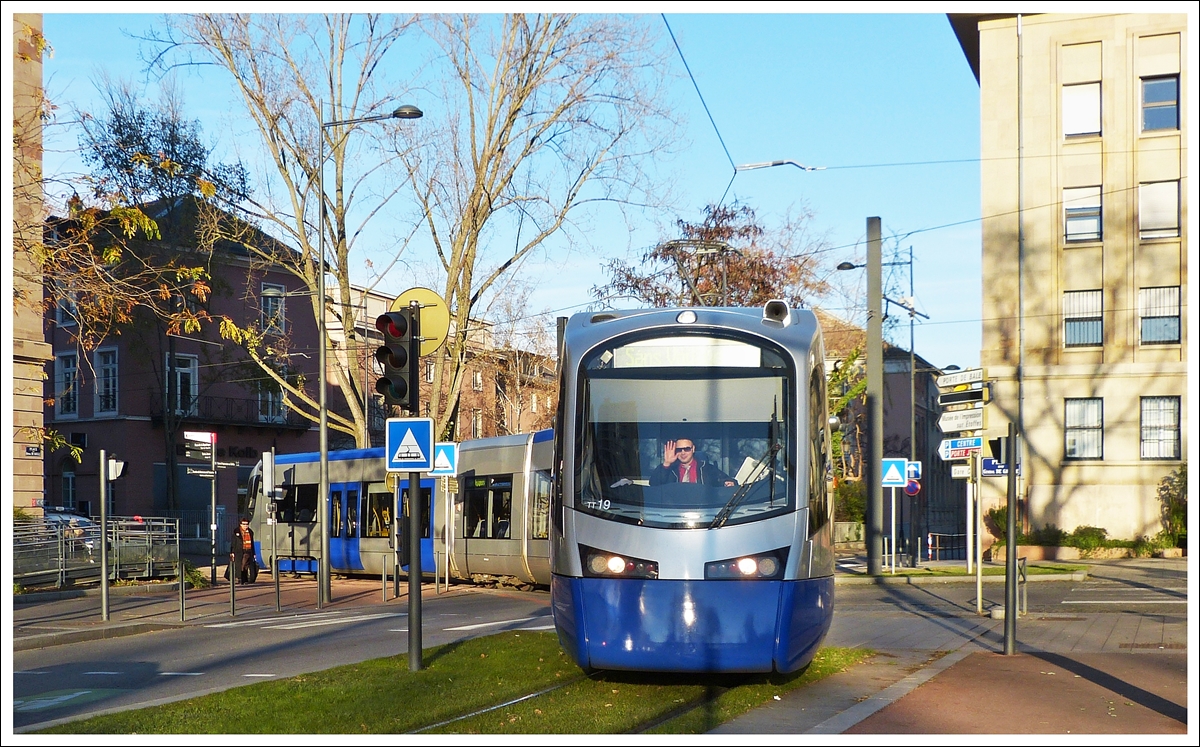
(684, 448)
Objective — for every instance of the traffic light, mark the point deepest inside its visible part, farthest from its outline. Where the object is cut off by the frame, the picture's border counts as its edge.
(400, 356)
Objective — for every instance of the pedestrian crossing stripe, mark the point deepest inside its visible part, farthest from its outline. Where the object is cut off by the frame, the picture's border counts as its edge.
(408, 450)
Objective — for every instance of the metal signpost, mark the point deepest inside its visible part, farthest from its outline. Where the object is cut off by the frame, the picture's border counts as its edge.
(895, 475)
(409, 448)
(202, 445)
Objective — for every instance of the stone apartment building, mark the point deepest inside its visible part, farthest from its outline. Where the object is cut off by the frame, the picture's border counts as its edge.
(1085, 193)
(115, 397)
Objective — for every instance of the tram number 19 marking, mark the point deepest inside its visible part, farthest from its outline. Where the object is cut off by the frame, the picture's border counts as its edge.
(603, 505)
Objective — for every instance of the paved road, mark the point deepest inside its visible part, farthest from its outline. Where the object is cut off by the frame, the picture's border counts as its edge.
(924, 634)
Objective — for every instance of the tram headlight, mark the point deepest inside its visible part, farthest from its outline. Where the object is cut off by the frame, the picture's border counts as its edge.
(767, 565)
(598, 563)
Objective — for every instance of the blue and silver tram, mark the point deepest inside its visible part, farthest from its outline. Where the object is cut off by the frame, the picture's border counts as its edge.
(691, 525)
(500, 509)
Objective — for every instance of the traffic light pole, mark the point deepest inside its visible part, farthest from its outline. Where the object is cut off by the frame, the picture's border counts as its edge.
(414, 571)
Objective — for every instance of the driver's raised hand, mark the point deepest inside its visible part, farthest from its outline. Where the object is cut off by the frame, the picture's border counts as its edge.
(669, 454)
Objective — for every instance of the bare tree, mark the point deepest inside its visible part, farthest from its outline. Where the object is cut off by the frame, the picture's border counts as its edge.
(523, 355)
(539, 117)
(295, 72)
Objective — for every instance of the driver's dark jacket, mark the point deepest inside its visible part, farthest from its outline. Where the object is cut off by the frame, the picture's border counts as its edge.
(706, 474)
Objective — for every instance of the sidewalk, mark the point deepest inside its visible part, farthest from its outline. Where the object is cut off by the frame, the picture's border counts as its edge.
(1091, 672)
(1078, 673)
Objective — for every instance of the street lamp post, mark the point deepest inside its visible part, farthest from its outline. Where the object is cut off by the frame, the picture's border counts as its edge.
(404, 112)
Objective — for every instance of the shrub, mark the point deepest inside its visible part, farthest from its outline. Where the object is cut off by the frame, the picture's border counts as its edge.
(850, 501)
(193, 575)
(1049, 536)
(1088, 538)
(1172, 493)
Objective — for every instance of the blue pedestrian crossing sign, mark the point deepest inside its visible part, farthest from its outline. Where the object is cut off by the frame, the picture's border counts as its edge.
(895, 473)
(445, 460)
(409, 444)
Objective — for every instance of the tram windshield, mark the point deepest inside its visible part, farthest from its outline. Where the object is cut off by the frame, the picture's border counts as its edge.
(685, 432)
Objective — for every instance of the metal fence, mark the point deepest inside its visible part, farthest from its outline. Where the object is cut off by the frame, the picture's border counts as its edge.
(194, 528)
(941, 546)
(50, 554)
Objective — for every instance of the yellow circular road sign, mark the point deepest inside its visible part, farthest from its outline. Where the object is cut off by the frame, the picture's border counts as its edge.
(435, 316)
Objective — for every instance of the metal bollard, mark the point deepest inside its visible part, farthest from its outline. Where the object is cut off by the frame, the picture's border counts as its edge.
(383, 577)
(233, 577)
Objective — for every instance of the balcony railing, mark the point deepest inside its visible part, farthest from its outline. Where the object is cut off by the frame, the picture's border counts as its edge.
(234, 411)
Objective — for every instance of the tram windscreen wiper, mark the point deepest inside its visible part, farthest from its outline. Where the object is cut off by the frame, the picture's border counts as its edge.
(754, 476)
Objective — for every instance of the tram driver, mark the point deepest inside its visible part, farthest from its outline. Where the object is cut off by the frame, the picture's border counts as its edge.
(681, 465)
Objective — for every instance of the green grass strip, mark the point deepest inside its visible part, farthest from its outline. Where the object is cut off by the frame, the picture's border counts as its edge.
(381, 696)
(622, 702)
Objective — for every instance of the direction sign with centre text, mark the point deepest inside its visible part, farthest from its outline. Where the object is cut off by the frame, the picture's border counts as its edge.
(409, 444)
(959, 448)
(962, 420)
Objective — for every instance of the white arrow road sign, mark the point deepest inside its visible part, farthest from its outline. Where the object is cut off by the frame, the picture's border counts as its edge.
(969, 376)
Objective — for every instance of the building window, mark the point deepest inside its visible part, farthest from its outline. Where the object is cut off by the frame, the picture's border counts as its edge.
(1083, 323)
(68, 490)
(1160, 103)
(1160, 428)
(476, 423)
(64, 310)
(186, 384)
(1158, 210)
(1085, 428)
(270, 406)
(1081, 109)
(274, 320)
(477, 380)
(106, 382)
(66, 390)
(428, 370)
(1159, 310)
(1081, 208)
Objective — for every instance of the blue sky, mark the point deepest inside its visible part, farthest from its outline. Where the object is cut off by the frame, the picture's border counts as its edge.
(854, 93)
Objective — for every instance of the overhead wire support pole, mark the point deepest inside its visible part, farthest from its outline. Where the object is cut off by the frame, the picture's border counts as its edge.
(874, 397)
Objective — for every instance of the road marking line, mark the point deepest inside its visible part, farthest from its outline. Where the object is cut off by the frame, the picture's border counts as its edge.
(259, 620)
(338, 621)
(488, 625)
(180, 674)
(1125, 601)
(258, 675)
(31, 671)
(398, 630)
(40, 703)
(112, 673)
(540, 627)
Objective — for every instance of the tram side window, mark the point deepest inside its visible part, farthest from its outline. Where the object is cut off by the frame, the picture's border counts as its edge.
(335, 508)
(351, 513)
(488, 507)
(378, 510)
(298, 504)
(539, 521)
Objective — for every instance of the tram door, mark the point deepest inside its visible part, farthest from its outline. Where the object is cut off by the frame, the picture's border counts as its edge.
(426, 527)
(488, 526)
(343, 527)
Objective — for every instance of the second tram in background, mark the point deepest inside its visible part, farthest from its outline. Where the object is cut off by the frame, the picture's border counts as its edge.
(498, 531)
(691, 527)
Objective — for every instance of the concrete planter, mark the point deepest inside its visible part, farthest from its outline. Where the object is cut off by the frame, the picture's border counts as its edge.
(998, 554)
